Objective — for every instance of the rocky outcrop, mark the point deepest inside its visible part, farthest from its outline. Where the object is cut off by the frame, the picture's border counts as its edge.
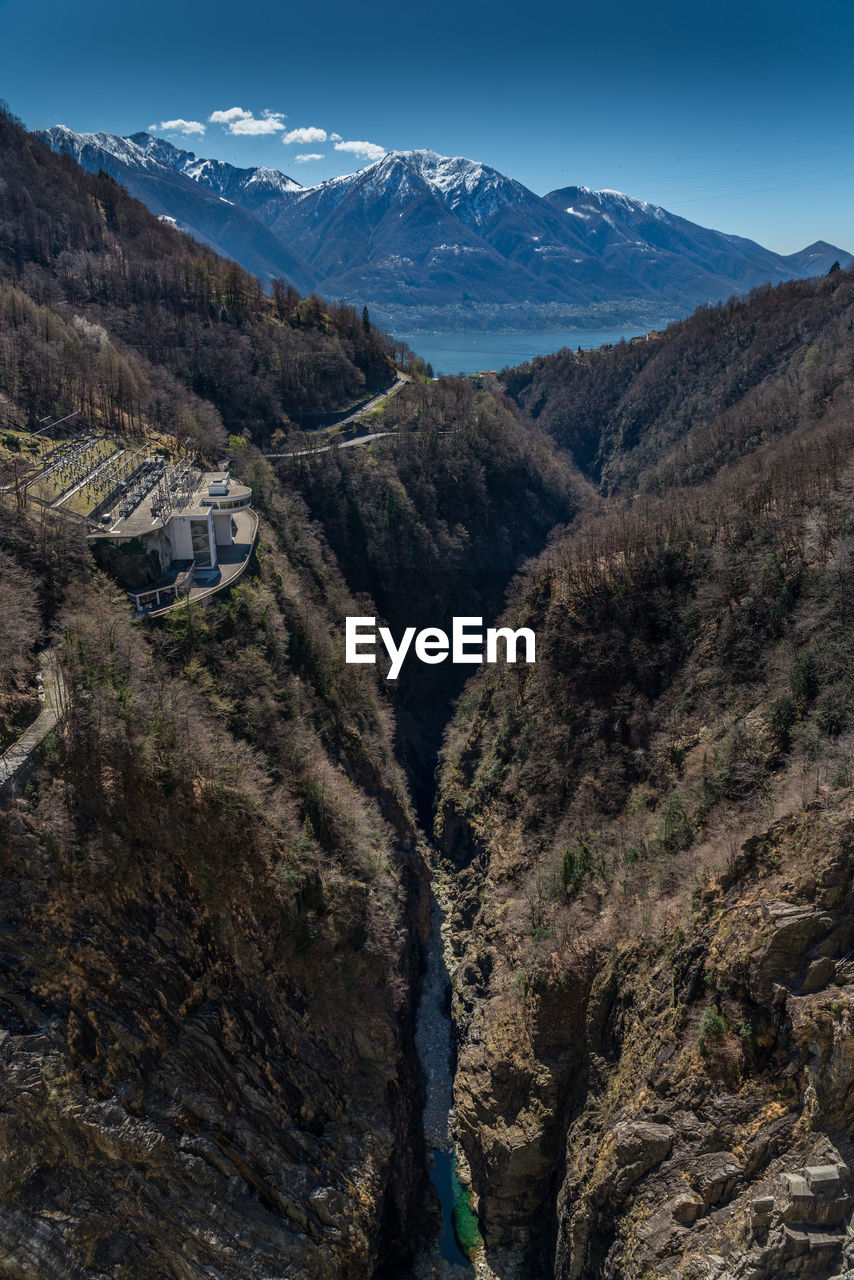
(183, 1090)
(517, 1073)
(679, 1108)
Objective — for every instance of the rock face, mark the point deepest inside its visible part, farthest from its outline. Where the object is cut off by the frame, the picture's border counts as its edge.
(182, 1093)
(615, 1130)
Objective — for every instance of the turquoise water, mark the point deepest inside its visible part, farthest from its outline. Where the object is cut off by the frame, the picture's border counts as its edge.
(454, 352)
(445, 1182)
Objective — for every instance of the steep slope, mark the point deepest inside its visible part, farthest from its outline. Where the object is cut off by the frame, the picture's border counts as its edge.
(417, 233)
(213, 892)
(818, 258)
(675, 408)
(218, 847)
(214, 896)
(452, 229)
(80, 244)
(210, 200)
(244, 186)
(648, 842)
(667, 253)
(433, 522)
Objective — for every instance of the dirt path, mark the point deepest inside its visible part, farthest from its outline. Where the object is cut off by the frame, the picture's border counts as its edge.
(53, 694)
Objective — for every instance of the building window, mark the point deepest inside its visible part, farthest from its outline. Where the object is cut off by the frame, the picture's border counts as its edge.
(201, 543)
(218, 505)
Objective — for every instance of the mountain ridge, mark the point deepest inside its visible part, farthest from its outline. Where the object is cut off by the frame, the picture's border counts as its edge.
(173, 195)
(416, 230)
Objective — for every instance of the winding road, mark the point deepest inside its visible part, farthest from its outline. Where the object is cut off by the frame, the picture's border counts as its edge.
(399, 382)
(327, 448)
(383, 396)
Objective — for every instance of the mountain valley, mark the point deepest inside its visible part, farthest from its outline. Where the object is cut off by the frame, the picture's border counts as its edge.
(218, 877)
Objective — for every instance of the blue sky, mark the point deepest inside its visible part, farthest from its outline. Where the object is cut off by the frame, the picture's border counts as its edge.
(736, 115)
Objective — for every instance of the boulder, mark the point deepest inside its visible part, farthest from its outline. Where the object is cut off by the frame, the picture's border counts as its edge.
(716, 1176)
(686, 1208)
(819, 974)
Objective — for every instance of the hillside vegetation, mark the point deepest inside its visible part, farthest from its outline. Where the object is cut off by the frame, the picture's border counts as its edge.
(683, 747)
(214, 894)
(167, 321)
(433, 522)
(676, 408)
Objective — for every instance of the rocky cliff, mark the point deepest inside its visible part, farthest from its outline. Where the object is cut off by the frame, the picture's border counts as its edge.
(680, 1106)
(647, 840)
(214, 895)
(211, 906)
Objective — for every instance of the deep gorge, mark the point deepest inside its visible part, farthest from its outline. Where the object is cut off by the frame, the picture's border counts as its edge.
(217, 889)
(414, 579)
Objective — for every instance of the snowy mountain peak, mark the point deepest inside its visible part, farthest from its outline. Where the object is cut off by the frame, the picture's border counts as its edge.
(471, 190)
(273, 178)
(463, 186)
(416, 228)
(606, 205)
(146, 151)
(449, 173)
(60, 138)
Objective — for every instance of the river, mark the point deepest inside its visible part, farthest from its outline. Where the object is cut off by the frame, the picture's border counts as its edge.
(435, 1055)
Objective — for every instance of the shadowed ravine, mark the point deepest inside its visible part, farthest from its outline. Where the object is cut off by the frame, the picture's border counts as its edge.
(435, 1057)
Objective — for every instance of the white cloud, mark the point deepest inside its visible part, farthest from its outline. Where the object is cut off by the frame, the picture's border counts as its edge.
(370, 150)
(335, 137)
(178, 126)
(227, 117)
(304, 135)
(254, 126)
(304, 159)
(241, 122)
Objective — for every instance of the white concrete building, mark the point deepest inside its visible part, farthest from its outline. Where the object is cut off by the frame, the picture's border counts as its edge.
(189, 518)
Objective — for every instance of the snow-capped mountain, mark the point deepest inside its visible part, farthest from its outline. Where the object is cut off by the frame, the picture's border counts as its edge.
(663, 251)
(247, 187)
(209, 199)
(416, 229)
(150, 154)
(473, 191)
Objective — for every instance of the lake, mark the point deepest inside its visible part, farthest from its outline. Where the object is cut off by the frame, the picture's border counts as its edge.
(470, 352)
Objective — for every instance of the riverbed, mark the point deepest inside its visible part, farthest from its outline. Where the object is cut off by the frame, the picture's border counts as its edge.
(435, 1055)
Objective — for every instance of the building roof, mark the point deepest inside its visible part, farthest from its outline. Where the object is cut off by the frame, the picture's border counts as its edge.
(182, 490)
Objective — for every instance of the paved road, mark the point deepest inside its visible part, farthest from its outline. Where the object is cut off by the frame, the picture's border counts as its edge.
(54, 691)
(399, 382)
(326, 448)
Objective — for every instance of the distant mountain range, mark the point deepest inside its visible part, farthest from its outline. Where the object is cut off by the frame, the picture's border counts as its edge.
(423, 239)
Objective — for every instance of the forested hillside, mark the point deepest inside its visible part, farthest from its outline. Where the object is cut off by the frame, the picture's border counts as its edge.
(674, 409)
(216, 880)
(433, 523)
(215, 894)
(220, 839)
(648, 835)
(168, 322)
